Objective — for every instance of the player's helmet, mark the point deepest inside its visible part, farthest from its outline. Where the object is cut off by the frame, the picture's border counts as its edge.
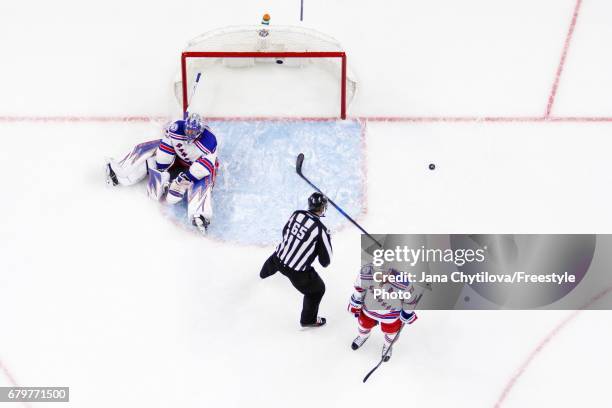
(317, 202)
(193, 126)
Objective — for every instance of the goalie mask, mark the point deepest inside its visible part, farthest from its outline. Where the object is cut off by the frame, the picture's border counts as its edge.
(193, 127)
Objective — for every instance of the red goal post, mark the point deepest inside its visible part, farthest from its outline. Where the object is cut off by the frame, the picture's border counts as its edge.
(238, 54)
(248, 46)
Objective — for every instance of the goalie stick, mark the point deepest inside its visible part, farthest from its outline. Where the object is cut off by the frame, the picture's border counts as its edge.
(298, 169)
(384, 355)
(195, 85)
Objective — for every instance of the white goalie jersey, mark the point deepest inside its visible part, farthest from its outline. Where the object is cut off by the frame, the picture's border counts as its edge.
(199, 156)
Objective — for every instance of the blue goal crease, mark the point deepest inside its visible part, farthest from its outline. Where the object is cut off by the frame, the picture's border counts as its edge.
(257, 188)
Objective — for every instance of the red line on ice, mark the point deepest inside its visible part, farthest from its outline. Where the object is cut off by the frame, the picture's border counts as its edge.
(523, 367)
(486, 119)
(568, 39)
(69, 118)
(406, 119)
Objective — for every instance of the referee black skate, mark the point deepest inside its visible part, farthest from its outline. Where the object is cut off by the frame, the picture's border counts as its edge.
(304, 239)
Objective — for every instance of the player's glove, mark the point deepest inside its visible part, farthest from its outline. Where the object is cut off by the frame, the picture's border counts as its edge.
(178, 187)
(355, 306)
(408, 317)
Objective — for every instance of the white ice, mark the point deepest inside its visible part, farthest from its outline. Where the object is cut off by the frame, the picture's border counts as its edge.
(94, 291)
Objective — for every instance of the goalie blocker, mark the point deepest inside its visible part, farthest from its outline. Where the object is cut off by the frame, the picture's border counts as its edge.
(181, 166)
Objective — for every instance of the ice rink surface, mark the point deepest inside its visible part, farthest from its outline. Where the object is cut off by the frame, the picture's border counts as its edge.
(258, 175)
(102, 293)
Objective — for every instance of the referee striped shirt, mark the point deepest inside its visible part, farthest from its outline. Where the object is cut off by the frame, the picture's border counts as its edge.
(304, 239)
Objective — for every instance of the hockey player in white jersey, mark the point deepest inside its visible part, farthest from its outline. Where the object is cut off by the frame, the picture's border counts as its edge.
(370, 308)
(182, 164)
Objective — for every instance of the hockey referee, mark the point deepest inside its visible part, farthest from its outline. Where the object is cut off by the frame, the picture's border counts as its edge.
(304, 239)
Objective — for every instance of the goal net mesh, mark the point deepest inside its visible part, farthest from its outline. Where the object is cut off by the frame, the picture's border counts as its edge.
(293, 47)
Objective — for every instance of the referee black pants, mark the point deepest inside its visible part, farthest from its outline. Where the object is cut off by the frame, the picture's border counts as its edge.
(307, 282)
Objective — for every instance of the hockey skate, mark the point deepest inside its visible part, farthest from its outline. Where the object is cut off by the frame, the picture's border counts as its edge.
(358, 342)
(111, 177)
(201, 223)
(320, 322)
(386, 355)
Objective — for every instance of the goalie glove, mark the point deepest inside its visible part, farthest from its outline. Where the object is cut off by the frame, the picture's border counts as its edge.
(408, 317)
(355, 306)
(178, 187)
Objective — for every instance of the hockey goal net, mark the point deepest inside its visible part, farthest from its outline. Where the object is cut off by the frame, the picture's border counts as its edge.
(247, 47)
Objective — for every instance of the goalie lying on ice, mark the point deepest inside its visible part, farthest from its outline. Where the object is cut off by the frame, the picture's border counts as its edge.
(183, 163)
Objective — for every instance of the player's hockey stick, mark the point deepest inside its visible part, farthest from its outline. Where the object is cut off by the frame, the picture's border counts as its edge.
(384, 355)
(298, 169)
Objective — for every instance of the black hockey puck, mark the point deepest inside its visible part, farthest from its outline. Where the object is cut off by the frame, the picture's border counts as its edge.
(432, 166)
(279, 61)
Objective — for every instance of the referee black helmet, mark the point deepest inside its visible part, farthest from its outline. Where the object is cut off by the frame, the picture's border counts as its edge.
(317, 202)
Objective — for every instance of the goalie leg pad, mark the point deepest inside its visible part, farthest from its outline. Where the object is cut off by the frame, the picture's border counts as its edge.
(133, 167)
(157, 182)
(199, 199)
(118, 174)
